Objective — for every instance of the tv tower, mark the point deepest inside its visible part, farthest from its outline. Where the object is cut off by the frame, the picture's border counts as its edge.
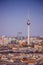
(28, 24)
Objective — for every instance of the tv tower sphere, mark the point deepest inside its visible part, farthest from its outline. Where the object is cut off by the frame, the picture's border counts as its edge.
(28, 23)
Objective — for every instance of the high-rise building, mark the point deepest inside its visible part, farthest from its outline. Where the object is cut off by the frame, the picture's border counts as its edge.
(19, 35)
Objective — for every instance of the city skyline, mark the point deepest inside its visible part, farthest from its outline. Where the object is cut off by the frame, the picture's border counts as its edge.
(14, 16)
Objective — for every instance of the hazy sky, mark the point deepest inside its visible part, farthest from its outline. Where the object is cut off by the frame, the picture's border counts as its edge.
(14, 15)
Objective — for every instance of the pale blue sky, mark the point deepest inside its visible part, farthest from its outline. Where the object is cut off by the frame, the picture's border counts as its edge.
(14, 15)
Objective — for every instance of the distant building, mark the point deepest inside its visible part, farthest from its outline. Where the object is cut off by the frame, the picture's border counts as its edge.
(4, 40)
(20, 36)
